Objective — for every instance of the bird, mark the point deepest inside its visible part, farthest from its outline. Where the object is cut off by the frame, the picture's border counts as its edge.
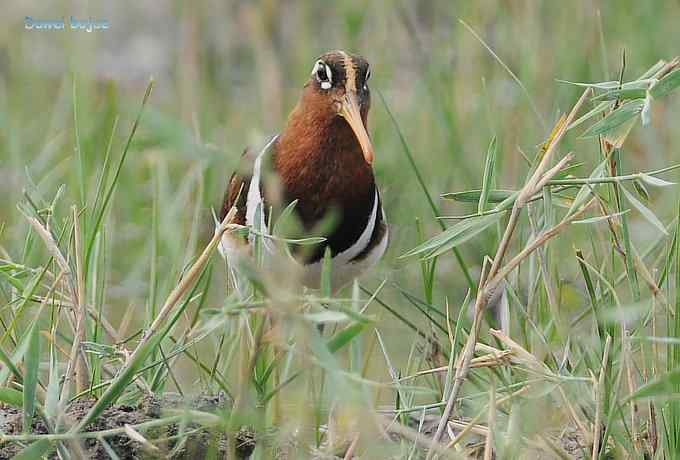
(321, 164)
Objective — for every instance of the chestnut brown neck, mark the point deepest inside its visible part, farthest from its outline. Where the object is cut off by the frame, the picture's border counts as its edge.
(320, 162)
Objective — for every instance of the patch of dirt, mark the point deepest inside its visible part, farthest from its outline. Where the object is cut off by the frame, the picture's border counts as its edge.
(193, 446)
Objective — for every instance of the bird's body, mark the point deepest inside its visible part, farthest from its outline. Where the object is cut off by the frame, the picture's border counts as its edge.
(322, 161)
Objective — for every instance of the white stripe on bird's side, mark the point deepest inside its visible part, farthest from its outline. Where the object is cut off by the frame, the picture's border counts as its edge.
(254, 198)
(343, 268)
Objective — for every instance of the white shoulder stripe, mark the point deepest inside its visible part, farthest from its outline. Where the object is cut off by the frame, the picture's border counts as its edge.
(254, 197)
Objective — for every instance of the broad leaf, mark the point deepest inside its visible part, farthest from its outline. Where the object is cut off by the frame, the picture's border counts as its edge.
(665, 386)
(666, 84)
(344, 336)
(596, 219)
(616, 118)
(613, 84)
(33, 451)
(655, 181)
(617, 136)
(472, 196)
(454, 236)
(622, 94)
(645, 211)
(584, 192)
(11, 397)
(600, 108)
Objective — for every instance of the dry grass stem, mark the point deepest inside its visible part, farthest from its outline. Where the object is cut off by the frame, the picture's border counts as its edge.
(599, 389)
(529, 189)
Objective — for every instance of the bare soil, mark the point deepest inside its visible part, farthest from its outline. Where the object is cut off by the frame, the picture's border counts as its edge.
(197, 445)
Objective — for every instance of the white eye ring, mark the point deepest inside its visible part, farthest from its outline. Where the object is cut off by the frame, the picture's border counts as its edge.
(328, 82)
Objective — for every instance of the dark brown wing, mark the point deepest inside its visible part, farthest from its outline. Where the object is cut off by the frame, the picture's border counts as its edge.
(237, 190)
(235, 195)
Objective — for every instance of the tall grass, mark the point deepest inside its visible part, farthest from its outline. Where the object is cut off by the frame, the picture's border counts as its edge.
(526, 306)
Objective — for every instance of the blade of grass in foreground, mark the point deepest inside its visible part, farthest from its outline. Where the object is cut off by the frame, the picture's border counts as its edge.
(423, 186)
(34, 450)
(489, 167)
(32, 363)
(616, 118)
(116, 175)
(161, 326)
(79, 154)
(454, 236)
(11, 397)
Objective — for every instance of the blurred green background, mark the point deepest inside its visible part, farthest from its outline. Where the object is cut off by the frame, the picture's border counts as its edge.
(227, 73)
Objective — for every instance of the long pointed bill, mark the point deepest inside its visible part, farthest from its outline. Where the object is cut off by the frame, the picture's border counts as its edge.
(350, 112)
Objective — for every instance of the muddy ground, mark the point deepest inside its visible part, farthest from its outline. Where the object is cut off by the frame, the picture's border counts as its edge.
(201, 443)
(197, 445)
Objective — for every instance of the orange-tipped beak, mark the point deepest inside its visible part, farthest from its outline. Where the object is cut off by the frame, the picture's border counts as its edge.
(350, 112)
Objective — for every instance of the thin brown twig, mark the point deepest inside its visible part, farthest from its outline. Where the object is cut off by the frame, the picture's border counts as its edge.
(627, 362)
(350, 450)
(55, 252)
(488, 444)
(75, 365)
(472, 423)
(391, 426)
(539, 176)
(94, 314)
(182, 287)
(82, 374)
(186, 281)
(538, 242)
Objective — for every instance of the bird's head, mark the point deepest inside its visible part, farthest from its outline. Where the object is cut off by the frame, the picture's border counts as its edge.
(338, 87)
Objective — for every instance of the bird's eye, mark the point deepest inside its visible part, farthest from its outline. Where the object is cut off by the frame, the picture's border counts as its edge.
(323, 74)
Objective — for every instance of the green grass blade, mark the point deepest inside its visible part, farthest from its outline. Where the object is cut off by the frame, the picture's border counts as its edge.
(426, 192)
(12, 397)
(597, 219)
(664, 386)
(52, 393)
(326, 267)
(34, 451)
(10, 363)
(344, 336)
(453, 236)
(79, 153)
(101, 181)
(616, 118)
(119, 383)
(645, 211)
(136, 365)
(31, 364)
(667, 84)
(473, 196)
(487, 180)
(116, 175)
(597, 110)
(622, 94)
(585, 190)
